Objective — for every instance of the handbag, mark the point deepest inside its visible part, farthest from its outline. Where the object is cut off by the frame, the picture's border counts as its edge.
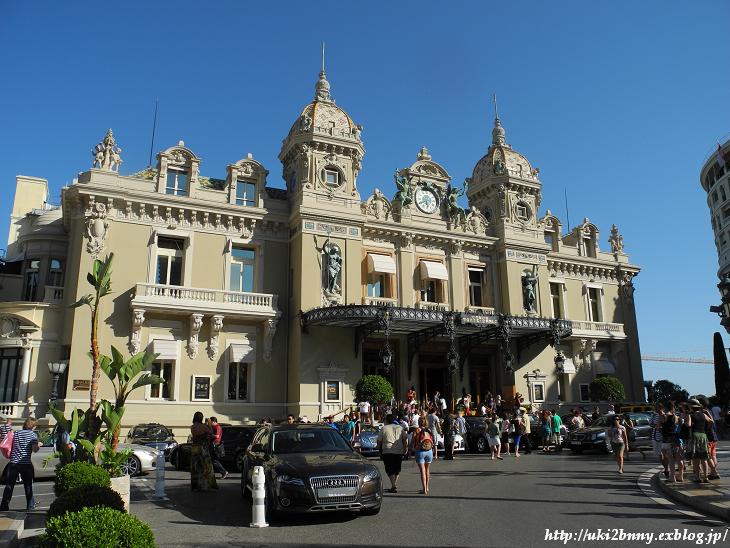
(6, 446)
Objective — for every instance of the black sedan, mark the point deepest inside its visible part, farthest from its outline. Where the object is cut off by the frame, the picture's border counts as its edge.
(311, 468)
(153, 435)
(235, 440)
(594, 436)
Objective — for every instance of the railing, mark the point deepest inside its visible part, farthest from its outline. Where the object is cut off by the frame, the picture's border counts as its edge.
(379, 301)
(210, 296)
(481, 310)
(602, 327)
(9, 409)
(53, 294)
(425, 305)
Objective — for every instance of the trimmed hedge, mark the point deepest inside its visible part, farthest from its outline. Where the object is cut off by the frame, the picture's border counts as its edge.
(99, 527)
(76, 474)
(85, 496)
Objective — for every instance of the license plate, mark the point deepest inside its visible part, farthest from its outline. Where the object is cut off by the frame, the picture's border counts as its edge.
(337, 492)
(574, 443)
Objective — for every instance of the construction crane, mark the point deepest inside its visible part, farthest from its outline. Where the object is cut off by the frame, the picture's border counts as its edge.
(675, 359)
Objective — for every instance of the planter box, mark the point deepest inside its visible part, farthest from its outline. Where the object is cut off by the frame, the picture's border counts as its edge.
(121, 486)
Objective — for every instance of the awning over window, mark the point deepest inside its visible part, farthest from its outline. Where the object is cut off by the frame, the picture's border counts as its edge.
(166, 349)
(605, 367)
(568, 366)
(431, 270)
(241, 353)
(382, 264)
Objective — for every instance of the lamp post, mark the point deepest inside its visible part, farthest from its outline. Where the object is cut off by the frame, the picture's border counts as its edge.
(387, 356)
(723, 309)
(648, 386)
(560, 369)
(57, 369)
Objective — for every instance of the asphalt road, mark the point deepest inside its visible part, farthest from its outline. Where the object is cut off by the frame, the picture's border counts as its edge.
(473, 501)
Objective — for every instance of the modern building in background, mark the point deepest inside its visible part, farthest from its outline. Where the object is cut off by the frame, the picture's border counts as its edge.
(261, 301)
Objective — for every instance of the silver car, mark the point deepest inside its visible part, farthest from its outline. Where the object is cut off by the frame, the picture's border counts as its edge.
(143, 459)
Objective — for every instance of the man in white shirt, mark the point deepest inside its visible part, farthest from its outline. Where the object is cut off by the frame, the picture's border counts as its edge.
(364, 408)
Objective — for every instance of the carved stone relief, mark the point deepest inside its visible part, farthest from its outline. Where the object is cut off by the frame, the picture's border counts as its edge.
(196, 323)
(216, 324)
(135, 343)
(97, 227)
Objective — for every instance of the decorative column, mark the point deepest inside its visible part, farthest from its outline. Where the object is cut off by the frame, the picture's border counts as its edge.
(216, 324)
(25, 368)
(196, 323)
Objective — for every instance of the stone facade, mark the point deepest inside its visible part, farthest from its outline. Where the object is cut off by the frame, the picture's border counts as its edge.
(263, 301)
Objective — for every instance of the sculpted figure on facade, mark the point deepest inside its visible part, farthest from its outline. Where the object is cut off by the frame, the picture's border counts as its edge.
(377, 205)
(529, 291)
(216, 324)
(333, 267)
(97, 227)
(107, 155)
(616, 240)
(404, 196)
(453, 211)
(269, 332)
(196, 323)
(475, 221)
(135, 343)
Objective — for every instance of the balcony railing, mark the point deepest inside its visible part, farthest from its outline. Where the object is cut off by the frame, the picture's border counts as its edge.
(488, 310)
(193, 299)
(425, 305)
(10, 410)
(53, 294)
(380, 301)
(600, 329)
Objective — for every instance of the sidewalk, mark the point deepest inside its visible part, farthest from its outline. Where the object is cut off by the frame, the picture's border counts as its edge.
(709, 498)
(11, 527)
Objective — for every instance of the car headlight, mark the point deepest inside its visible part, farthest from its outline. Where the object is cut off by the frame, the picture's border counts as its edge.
(289, 480)
(599, 436)
(372, 475)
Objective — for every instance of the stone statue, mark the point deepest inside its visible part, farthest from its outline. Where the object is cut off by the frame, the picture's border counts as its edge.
(452, 207)
(333, 266)
(529, 291)
(107, 154)
(498, 167)
(405, 191)
(616, 240)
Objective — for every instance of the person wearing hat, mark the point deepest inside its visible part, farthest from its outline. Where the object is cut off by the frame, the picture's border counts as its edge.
(697, 447)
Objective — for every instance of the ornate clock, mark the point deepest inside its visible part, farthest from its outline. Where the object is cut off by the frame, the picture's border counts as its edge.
(426, 200)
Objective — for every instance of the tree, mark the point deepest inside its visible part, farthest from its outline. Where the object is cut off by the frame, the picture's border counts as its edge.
(722, 371)
(607, 389)
(665, 390)
(374, 388)
(100, 280)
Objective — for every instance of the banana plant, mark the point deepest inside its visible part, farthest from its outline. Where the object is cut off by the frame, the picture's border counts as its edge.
(122, 374)
(100, 280)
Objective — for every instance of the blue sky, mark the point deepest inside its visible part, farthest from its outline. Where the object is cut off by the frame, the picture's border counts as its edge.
(617, 103)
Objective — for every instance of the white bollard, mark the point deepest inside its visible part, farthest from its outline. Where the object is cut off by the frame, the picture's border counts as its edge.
(160, 476)
(258, 508)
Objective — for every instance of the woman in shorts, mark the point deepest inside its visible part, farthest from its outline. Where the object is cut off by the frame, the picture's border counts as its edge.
(423, 443)
(619, 441)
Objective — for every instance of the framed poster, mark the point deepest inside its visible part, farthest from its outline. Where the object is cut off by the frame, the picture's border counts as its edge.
(201, 388)
(539, 389)
(332, 389)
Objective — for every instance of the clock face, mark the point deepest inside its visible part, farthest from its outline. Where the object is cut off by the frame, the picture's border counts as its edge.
(426, 200)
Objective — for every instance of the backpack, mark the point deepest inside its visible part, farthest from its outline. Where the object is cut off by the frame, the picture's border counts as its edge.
(425, 442)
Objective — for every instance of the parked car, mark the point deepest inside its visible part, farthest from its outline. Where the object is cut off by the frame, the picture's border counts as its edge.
(311, 468)
(594, 437)
(235, 440)
(459, 446)
(367, 441)
(142, 460)
(477, 434)
(153, 435)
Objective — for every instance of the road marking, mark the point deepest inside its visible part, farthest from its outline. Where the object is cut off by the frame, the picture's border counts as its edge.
(644, 483)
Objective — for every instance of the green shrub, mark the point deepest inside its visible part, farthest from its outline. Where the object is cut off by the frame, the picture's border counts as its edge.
(76, 474)
(374, 389)
(607, 389)
(85, 496)
(99, 527)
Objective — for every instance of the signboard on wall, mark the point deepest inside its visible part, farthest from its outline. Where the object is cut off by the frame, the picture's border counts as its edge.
(201, 388)
(82, 384)
(333, 390)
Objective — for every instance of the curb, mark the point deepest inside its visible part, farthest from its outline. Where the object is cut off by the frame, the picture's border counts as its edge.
(10, 534)
(695, 502)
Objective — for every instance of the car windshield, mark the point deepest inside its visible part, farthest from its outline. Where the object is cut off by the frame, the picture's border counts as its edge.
(152, 432)
(308, 441)
(366, 429)
(605, 420)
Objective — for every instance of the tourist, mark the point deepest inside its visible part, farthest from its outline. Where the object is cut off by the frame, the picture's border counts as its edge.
(557, 424)
(25, 443)
(202, 475)
(364, 410)
(6, 427)
(492, 429)
(656, 436)
(517, 429)
(347, 429)
(577, 422)
(546, 430)
(671, 445)
(423, 445)
(217, 451)
(434, 426)
(619, 441)
(393, 445)
(697, 448)
(411, 395)
(290, 419)
(526, 431)
(448, 429)
(596, 413)
(716, 416)
(460, 428)
(505, 430)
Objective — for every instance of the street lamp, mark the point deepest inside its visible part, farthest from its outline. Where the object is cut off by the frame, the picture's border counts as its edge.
(452, 358)
(387, 355)
(508, 364)
(57, 369)
(723, 310)
(560, 368)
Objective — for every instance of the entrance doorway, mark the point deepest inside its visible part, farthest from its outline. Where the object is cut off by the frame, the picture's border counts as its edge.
(433, 375)
(480, 377)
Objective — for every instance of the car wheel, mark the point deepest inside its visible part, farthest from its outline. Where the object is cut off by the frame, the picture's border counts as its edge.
(371, 511)
(132, 467)
(481, 445)
(238, 461)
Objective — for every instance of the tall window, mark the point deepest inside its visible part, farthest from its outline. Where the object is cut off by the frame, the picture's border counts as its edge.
(594, 304)
(55, 273)
(428, 291)
(556, 296)
(177, 182)
(243, 262)
(376, 285)
(164, 369)
(245, 193)
(169, 260)
(31, 280)
(589, 245)
(238, 381)
(10, 359)
(475, 287)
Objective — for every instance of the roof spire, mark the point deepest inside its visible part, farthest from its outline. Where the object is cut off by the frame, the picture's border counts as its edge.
(498, 136)
(322, 87)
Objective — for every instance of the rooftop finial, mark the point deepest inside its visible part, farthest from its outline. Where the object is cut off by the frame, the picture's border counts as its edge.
(498, 136)
(322, 88)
